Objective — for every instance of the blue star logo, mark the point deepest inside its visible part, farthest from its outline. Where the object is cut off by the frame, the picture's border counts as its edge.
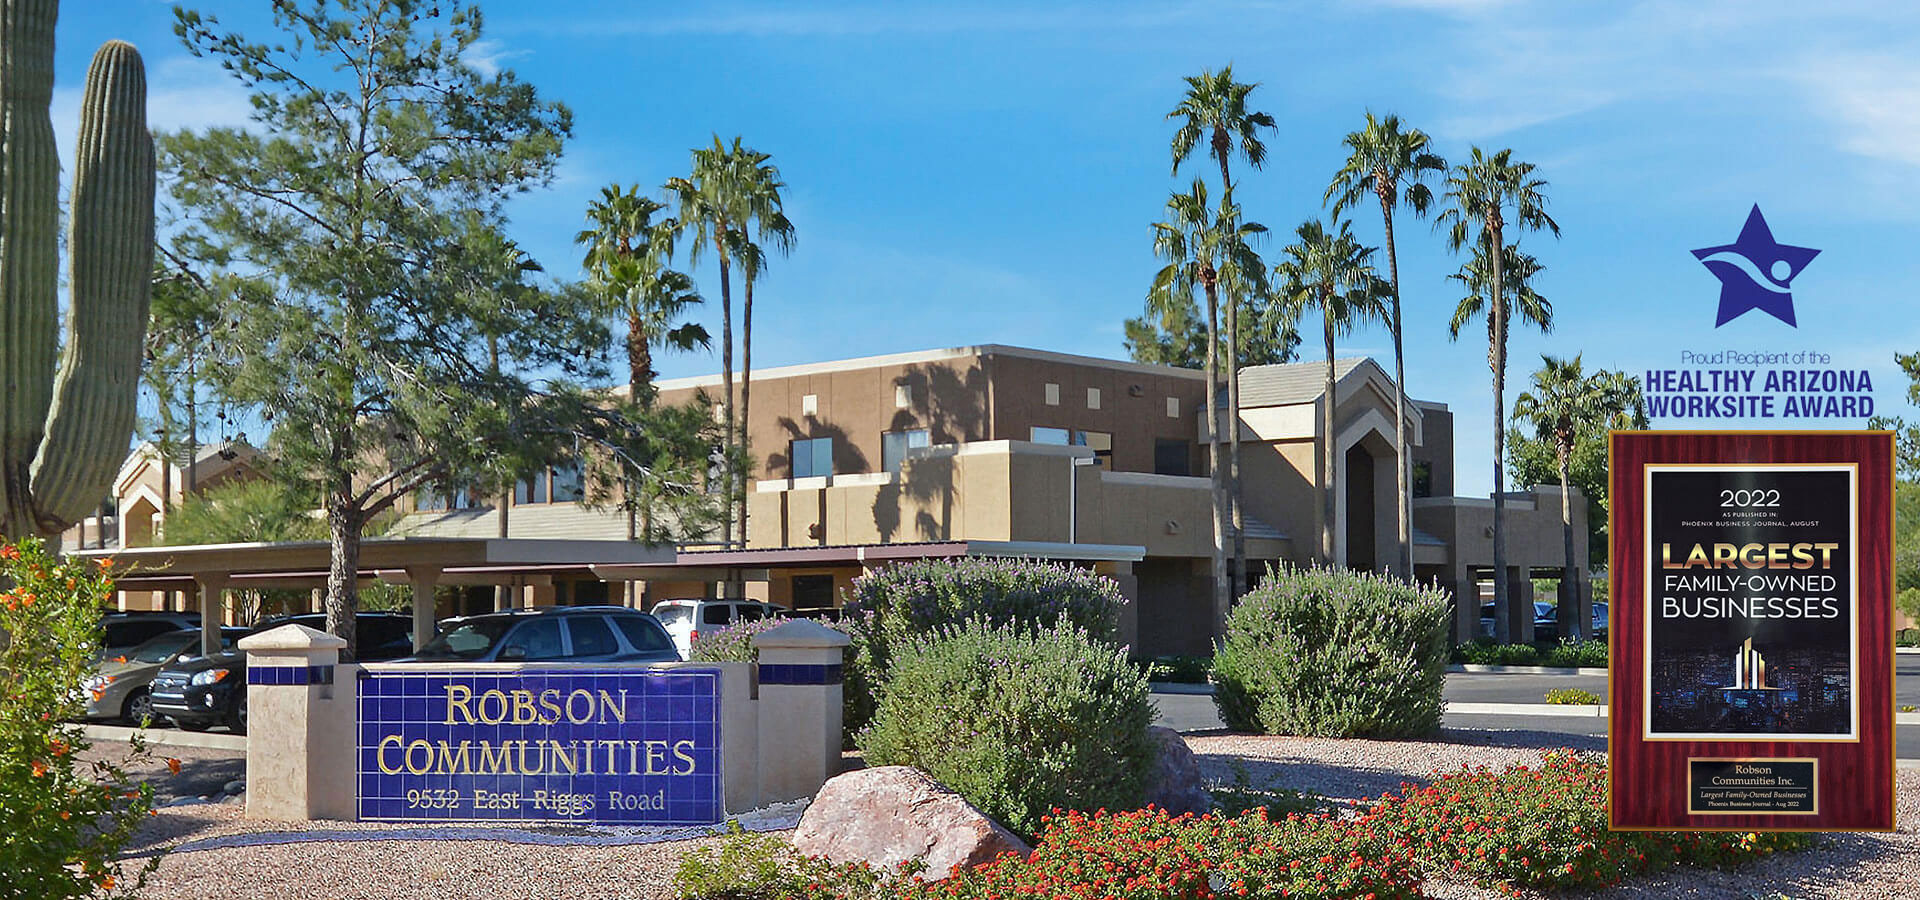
(1756, 272)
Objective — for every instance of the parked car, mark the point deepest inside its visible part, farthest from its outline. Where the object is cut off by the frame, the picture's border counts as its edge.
(118, 688)
(559, 633)
(686, 617)
(200, 693)
(123, 631)
(1546, 621)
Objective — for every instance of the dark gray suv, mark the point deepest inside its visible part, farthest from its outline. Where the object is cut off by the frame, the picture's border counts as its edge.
(554, 634)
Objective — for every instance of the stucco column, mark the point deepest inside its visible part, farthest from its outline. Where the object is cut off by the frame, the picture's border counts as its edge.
(300, 710)
(1519, 605)
(425, 610)
(800, 693)
(1122, 574)
(211, 586)
(1466, 609)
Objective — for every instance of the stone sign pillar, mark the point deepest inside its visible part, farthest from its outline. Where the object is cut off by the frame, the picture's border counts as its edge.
(300, 706)
(800, 714)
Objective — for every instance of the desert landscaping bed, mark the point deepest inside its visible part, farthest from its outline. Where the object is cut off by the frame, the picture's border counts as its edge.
(593, 863)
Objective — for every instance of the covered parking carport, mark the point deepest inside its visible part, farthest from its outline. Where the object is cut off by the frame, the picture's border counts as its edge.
(423, 563)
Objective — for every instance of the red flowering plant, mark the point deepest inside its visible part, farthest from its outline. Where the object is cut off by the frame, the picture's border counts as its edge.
(63, 821)
(1148, 855)
(1545, 826)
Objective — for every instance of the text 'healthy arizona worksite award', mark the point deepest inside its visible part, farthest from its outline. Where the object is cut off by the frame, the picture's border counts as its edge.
(1751, 672)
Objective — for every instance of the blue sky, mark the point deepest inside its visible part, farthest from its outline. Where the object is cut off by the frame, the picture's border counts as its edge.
(966, 174)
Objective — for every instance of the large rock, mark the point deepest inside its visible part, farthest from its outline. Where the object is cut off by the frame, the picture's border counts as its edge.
(1173, 784)
(887, 815)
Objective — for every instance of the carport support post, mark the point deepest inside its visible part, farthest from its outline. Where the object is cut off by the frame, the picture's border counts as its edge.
(423, 578)
(211, 585)
(800, 691)
(300, 730)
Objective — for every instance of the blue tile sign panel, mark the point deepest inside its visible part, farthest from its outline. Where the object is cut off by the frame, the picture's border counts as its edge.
(586, 746)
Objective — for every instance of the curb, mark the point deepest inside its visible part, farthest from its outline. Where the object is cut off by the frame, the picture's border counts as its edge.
(1477, 669)
(1528, 709)
(168, 737)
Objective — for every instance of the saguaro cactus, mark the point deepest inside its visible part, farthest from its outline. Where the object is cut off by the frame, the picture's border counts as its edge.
(64, 435)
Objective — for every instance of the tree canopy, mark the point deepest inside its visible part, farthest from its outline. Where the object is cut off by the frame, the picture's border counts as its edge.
(364, 204)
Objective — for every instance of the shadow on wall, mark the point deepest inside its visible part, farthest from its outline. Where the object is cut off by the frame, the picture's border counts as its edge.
(952, 407)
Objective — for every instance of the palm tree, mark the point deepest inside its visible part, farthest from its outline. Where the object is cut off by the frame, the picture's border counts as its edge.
(627, 252)
(710, 200)
(761, 213)
(1566, 403)
(1384, 160)
(1479, 276)
(1479, 193)
(1204, 249)
(1215, 106)
(1331, 271)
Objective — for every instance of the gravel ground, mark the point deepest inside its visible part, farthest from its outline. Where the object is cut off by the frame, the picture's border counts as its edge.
(1845, 866)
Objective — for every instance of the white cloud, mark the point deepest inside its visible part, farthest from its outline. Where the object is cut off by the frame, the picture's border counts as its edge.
(1872, 99)
(486, 56)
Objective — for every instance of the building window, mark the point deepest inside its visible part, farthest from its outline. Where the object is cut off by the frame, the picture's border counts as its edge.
(812, 592)
(1172, 456)
(902, 396)
(560, 483)
(895, 444)
(1422, 478)
(1100, 441)
(811, 458)
(1053, 395)
(429, 499)
(1093, 398)
(810, 405)
(1173, 407)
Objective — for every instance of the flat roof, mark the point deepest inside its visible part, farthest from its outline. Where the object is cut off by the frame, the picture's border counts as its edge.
(920, 356)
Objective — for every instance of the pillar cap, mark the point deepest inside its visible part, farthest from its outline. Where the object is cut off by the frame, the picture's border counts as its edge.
(292, 637)
(800, 634)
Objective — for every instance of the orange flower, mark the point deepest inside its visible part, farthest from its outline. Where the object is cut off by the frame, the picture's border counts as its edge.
(173, 765)
(39, 769)
(106, 882)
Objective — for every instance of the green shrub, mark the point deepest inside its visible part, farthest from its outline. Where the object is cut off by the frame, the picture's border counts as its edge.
(1545, 826)
(761, 867)
(1572, 697)
(898, 604)
(1177, 669)
(1570, 654)
(63, 823)
(1484, 652)
(1017, 721)
(734, 643)
(1333, 653)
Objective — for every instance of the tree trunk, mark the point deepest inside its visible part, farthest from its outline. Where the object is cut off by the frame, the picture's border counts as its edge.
(1569, 576)
(343, 568)
(1503, 631)
(1210, 432)
(726, 393)
(746, 389)
(1328, 501)
(1236, 502)
(1222, 148)
(639, 363)
(1403, 497)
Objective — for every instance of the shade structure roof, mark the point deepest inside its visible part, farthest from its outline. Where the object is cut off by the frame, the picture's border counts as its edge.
(304, 564)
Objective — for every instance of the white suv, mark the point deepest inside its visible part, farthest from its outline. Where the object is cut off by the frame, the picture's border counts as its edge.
(685, 618)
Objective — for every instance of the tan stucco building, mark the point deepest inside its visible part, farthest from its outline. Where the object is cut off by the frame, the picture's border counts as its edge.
(1006, 451)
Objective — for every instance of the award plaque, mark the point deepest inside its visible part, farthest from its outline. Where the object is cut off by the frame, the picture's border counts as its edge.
(1751, 675)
